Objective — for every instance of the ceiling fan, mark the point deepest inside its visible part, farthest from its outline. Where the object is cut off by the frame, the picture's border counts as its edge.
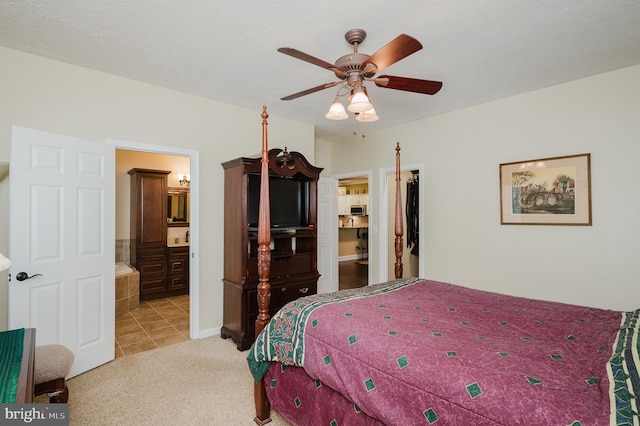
(356, 68)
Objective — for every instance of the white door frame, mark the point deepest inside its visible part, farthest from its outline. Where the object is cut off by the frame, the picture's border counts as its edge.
(370, 212)
(194, 222)
(384, 218)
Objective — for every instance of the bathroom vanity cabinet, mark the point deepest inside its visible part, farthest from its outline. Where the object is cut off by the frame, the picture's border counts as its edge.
(164, 271)
(178, 269)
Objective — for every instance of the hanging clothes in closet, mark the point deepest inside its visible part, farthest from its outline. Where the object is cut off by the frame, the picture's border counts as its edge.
(412, 213)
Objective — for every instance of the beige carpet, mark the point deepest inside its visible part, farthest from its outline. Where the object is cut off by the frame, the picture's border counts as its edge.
(198, 382)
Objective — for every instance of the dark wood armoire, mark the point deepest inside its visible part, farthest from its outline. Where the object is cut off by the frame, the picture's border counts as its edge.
(294, 270)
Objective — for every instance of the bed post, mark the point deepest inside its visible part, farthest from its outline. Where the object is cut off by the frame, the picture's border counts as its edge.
(264, 264)
(399, 229)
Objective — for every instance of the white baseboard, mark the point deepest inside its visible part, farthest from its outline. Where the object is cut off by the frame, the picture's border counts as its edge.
(352, 257)
(208, 333)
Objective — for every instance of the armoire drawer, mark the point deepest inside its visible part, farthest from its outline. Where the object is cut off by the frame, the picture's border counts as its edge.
(283, 267)
(282, 294)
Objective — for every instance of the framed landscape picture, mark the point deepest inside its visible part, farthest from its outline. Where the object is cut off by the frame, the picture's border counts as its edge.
(546, 191)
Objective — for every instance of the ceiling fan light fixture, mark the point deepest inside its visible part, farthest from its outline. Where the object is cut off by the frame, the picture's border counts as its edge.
(368, 116)
(336, 111)
(360, 102)
(355, 68)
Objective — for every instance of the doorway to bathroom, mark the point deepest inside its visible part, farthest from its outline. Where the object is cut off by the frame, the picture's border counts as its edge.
(149, 322)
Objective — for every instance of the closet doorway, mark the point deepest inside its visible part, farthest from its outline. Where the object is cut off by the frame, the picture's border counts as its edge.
(412, 219)
(409, 190)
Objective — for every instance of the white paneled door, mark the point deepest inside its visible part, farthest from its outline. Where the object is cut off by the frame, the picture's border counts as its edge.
(62, 243)
(328, 235)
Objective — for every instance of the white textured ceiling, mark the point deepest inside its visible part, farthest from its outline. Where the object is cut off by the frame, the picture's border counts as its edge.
(481, 50)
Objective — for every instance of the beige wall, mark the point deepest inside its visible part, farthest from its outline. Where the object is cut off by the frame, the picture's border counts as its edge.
(60, 98)
(460, 153)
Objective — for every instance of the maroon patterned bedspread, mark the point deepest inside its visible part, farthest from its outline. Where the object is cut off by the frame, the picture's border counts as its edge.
(434, 352)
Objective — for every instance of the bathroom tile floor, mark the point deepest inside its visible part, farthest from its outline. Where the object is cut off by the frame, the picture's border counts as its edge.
(156, 323)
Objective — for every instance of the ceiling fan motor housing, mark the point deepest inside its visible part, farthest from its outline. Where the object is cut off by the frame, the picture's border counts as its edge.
(351, 66)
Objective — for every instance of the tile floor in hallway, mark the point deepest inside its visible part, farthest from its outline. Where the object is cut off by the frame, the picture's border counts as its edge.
(157, 323)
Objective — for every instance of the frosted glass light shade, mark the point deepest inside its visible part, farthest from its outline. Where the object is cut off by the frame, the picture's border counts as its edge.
(368, 116)
(360, 102)
(336, 111)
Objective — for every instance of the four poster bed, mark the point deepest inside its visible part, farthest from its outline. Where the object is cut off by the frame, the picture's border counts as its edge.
(415, 351)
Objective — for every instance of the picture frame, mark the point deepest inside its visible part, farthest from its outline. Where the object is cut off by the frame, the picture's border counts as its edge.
(546, 191)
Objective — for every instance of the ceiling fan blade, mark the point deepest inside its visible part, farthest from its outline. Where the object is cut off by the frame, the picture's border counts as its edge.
(415, 85)
(309, 91)
(398, 48)
(311, 59)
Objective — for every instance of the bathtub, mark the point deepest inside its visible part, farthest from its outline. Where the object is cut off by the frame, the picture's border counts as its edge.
(123, 269)
(127, 289)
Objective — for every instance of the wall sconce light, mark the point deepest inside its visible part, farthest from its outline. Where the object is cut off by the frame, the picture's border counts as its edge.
(184, 179)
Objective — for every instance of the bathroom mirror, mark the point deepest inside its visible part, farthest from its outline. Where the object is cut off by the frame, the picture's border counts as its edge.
(178, 207)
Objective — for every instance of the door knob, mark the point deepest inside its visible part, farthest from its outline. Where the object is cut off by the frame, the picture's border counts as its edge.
(21, 276)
